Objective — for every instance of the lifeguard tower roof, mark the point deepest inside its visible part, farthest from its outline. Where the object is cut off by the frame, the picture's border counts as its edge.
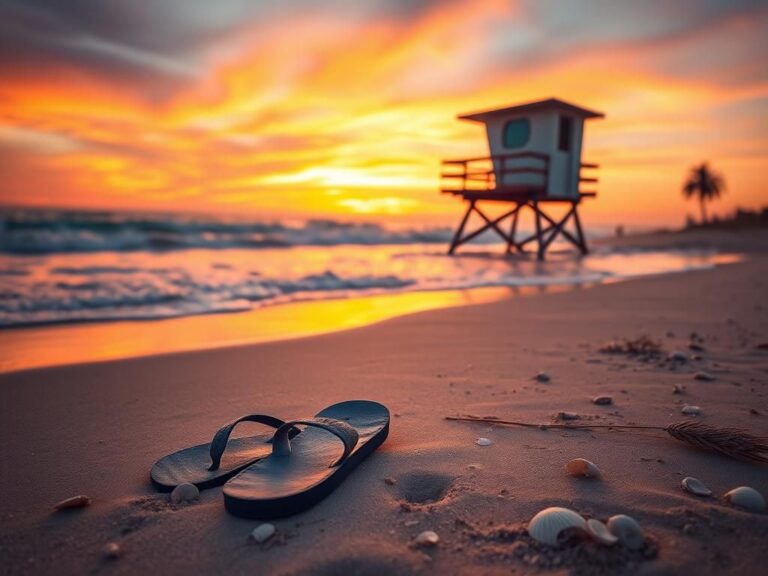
(548, 104)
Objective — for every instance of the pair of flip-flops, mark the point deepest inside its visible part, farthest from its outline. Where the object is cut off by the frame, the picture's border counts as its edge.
(280, 474)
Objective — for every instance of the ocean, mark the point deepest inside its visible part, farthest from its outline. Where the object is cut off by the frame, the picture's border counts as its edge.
(60, 267)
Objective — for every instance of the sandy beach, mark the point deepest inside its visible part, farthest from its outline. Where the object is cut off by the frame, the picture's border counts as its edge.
(96, 430)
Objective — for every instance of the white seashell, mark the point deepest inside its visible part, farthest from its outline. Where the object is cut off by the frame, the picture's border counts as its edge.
(602, 400)
(581, 467)
(542, 377)
(677, 356)
(547, 525)
(111, 551)
(695, 486)
(747, 498)
(73, 502)
(427, 538)
(483, 441)
(263, 532)
(627, 530)
(185, 492)
(690, 410)
(703, 376)
(600, 532)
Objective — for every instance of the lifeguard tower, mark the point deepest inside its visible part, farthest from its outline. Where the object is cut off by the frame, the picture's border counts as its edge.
(535, 160)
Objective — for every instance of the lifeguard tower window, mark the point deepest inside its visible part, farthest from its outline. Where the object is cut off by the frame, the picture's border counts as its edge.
(517, 132)
(564, 138)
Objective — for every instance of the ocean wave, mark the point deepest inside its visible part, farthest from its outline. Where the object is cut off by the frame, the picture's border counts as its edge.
(48, 232)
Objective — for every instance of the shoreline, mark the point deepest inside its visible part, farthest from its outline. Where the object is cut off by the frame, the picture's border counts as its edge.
(49, 345)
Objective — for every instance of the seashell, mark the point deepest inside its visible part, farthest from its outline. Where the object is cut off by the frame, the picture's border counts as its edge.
(695, 486)
(483, 441)
(602, 400)
(747, 498)
(547, 525)
(73, 502)
(703, 376)
(627, 530)
(690, 410)
(567, 416)
(427, 539)
(582, 467)
(677, 356)
(542, 377)
(185, 492)
(263, 532)
(112, 551)
(600, 532)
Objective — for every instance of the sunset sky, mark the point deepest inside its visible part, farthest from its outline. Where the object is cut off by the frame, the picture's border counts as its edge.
(344, 109)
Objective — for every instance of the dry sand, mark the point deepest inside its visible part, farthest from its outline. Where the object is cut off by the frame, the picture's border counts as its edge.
(97, 429)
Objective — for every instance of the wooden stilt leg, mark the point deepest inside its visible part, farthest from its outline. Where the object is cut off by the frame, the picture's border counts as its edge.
(579, 231)
(539, 238)
(460, 230)
(513, 230)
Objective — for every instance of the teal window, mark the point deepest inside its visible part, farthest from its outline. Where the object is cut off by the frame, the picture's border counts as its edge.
(517, 133)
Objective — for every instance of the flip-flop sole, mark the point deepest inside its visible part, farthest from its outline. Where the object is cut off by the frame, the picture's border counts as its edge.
(277, 486)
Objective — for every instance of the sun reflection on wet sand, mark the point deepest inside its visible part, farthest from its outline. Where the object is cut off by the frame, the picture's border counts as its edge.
(26, 348)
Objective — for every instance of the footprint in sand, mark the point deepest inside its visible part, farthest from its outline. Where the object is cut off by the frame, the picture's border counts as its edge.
(422, 487)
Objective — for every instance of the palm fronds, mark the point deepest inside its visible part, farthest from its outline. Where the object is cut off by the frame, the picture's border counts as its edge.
(731, 442)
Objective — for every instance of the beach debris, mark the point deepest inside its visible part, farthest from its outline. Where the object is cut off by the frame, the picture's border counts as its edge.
(747, 498)
(567, 416)
(602, 400)
(678, 389)
(677, 356)
(389, 481)
(111, 551)
(600, 532)
(542, 377)
(731, 442)
(79, 501)
(409, 523)
(263, 532)
(546, 526)
(703, 376)
(185, 492)
(695, 486)
(695, 347)
(474, 466)
(483, 441)
(627, 530)
(427, 539)
(582, 467)
(642, 346)
(690, 410)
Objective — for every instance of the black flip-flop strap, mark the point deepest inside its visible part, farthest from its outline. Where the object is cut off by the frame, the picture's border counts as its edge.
(220, 439)
(281, 444)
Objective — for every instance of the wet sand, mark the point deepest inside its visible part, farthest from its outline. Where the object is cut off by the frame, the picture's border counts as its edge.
(96, 429)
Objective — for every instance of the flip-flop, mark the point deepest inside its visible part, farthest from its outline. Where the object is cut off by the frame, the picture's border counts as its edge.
(303, 470)
(202, 465)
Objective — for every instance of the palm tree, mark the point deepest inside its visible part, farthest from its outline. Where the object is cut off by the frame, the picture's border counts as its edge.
(705, 184)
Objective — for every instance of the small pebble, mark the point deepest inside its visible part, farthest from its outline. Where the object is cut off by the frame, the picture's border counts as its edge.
(483, 441)
(690, 410)
(263, 532)
(111, 551)
(695, 347)
(73, 502)
(678, 356)
(542, 377)
(428, 538)
(602, 400)
(389, 481)
(678, 389)
(185, 492)
(409, 523)
(703, 376)
(567, 416)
